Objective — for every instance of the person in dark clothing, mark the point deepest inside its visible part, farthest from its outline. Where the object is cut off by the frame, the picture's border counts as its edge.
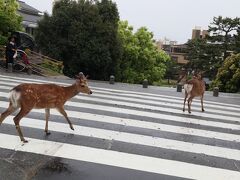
(10, 51)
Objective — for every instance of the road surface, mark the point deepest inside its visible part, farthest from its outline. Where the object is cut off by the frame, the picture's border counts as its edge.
(125, 132)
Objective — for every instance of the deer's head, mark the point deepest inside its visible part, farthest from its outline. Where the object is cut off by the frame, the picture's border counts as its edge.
(82, 84)
(198, 75)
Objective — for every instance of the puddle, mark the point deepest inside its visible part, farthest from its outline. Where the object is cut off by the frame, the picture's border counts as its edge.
(56, 165)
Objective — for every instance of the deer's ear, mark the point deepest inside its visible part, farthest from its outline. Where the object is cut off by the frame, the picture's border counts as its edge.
(87, 76)
(79, 75)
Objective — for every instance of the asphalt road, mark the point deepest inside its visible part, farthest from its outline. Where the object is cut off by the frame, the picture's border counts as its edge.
(125, 132)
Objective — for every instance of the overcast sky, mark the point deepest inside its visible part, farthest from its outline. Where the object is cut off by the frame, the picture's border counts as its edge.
(173, 19)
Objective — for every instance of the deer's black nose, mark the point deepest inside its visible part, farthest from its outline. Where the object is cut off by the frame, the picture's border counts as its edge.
(90, 92)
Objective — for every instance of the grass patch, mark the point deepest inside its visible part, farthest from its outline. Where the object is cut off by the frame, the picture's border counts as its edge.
(166, 83)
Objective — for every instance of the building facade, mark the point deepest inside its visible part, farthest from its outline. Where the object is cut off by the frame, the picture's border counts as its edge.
(30, 16)
(177, 52)
(197, 33)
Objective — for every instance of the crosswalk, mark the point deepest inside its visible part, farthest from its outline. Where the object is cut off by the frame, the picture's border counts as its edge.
(141, 131)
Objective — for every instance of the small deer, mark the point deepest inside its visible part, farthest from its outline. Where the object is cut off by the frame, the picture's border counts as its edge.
(193, 88)
(42, 96)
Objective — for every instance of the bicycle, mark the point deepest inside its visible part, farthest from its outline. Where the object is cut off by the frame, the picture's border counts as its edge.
(21, 62)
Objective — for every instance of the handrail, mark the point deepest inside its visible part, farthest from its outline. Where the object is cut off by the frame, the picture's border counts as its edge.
(54, 60)
(35, 53)
(34, 65)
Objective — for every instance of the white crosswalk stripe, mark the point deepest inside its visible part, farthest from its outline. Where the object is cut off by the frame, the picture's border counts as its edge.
(160, 102)
(147, 120)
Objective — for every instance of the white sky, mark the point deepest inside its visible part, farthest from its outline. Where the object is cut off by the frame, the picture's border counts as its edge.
(173, 19)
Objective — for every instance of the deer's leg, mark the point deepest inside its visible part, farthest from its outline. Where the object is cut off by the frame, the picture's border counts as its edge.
(6, 113)
(185, 101)
(189, 103)
(47, 115)
(23, 112)
(62, 111)
(202, 103)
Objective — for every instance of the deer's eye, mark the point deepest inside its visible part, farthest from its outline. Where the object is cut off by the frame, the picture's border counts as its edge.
(82, 85)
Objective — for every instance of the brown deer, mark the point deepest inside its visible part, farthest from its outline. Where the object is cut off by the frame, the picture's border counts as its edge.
(42, 96)
(193, 88)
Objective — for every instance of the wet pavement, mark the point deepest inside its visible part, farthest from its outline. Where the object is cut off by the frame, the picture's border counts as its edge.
(19, 165)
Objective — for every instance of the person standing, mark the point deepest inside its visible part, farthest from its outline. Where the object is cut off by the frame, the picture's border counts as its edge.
(10, 51)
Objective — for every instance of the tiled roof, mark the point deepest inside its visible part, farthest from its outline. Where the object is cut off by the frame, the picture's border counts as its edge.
(29, 17)
(23, 7)
(29, 14)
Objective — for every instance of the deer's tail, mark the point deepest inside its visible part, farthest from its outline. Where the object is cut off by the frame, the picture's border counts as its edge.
(188, 88)
(14, 98)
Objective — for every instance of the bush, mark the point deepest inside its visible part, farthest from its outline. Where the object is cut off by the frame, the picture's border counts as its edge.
(56, 67)
(3, 40)
(228, 76)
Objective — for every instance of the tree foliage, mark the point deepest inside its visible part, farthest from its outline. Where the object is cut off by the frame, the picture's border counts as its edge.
(140, 57)
(196, 49)
(9, 20)
(204, 56)
(222, 33)
(237, 41)
(83, 34)
(228, 77)
(209, 54)
(172, 70)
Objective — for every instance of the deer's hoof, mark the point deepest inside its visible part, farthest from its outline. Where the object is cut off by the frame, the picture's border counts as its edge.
(189, 112)
(203, 110)
(72, 128)
(48, 133)
(24, 141)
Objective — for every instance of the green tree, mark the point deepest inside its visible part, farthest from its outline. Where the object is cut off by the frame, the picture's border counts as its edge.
(140, 57)
(9, 20)
(208, 54)
(130, 50)
(83, 34)
(222, 30)
(228, 77)
(196, 49)
(204, 56)
(237, 41)
(109, 14)
(172, 69)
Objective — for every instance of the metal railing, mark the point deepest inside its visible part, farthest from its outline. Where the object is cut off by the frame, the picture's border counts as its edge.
(36, 62)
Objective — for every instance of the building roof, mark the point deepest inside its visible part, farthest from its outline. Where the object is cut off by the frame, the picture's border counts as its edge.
(29, 14)
(23, 7)
(29, 17)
